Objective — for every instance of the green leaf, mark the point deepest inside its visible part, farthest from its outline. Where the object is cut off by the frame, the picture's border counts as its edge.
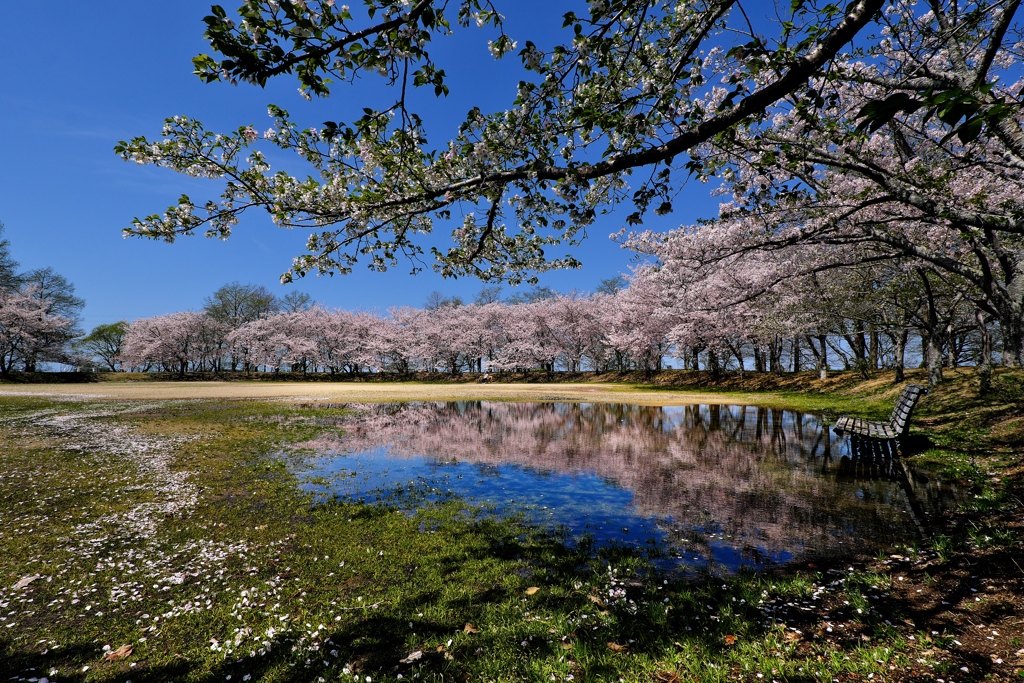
(877, 113)
(970, 130)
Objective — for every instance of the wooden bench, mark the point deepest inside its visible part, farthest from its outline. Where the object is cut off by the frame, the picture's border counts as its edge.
(896, 427)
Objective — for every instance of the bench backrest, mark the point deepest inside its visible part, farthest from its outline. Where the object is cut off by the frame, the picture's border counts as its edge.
(900, 419)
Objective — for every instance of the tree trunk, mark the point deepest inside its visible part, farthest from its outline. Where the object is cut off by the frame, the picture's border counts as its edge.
(873, 349)
(713, 365)
(823, 368)
(985, 360)
(737, 350)
(816, 355)
(951, 346)
(776, 356)
(899, 342)
(1012, 328)
(934, 360)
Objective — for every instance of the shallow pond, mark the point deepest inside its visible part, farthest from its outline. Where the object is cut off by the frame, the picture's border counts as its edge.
(718, 487)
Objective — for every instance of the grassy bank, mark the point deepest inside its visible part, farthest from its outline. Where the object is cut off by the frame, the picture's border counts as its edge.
(168, 540)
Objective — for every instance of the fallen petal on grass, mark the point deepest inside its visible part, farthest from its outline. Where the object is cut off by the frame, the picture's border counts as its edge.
(26, 581)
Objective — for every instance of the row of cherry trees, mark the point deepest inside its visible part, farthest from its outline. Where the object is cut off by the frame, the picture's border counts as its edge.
(868, 316)
(890, 198)
(865, 317)
(570, 332)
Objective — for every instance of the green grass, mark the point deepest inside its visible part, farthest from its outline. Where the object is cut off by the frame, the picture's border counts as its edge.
(178, 529)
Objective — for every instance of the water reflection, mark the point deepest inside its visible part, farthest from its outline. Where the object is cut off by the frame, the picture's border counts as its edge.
(722, 485)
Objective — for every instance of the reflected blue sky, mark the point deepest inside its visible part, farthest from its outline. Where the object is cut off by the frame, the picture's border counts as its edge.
(711, 486)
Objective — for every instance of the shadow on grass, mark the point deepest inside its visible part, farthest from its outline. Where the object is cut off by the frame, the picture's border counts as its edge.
(583, 621)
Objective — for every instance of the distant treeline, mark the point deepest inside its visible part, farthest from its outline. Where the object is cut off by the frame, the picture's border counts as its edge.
(627, 330)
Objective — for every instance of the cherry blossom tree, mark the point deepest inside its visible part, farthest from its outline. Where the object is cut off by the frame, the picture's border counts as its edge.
(573, 324)
(41, 330)
(634, 88)
(58, 294)
(517, 338)
(28, 329)
(262, 342)
(635, 321)
(339, 341)
(910, 158)
(395, 338)
(915, 154)
(177, 342)
(448, 337)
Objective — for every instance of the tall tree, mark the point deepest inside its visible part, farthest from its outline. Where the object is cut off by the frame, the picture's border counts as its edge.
(538, 293)
(9, 278)
(235, 304)
(29, 332)
(436, 300)
(488, 294)
(56, 290)
(295, 302)
(57, 294)
(105, 341)
(612, 285)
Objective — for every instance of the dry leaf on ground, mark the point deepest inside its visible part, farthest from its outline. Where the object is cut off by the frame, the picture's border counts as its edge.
(413, 657)
(730, 639)
(469, 628)
(119, 653)
(532, 590)
(667, 677)
(615, 647)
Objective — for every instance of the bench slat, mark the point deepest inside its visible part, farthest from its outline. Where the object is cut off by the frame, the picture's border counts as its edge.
(898, 421)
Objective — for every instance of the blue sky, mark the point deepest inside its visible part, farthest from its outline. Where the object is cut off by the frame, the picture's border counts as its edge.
(82, 76)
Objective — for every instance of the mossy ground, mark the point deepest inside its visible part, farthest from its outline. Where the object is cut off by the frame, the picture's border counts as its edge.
(171, 542)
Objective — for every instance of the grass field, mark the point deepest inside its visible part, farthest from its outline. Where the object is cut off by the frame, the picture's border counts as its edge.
(155, 532)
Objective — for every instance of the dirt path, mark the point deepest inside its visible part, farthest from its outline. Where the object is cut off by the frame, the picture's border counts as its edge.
(397, 391)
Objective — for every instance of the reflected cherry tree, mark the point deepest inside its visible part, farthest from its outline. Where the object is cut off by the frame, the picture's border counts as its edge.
(761, 483)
